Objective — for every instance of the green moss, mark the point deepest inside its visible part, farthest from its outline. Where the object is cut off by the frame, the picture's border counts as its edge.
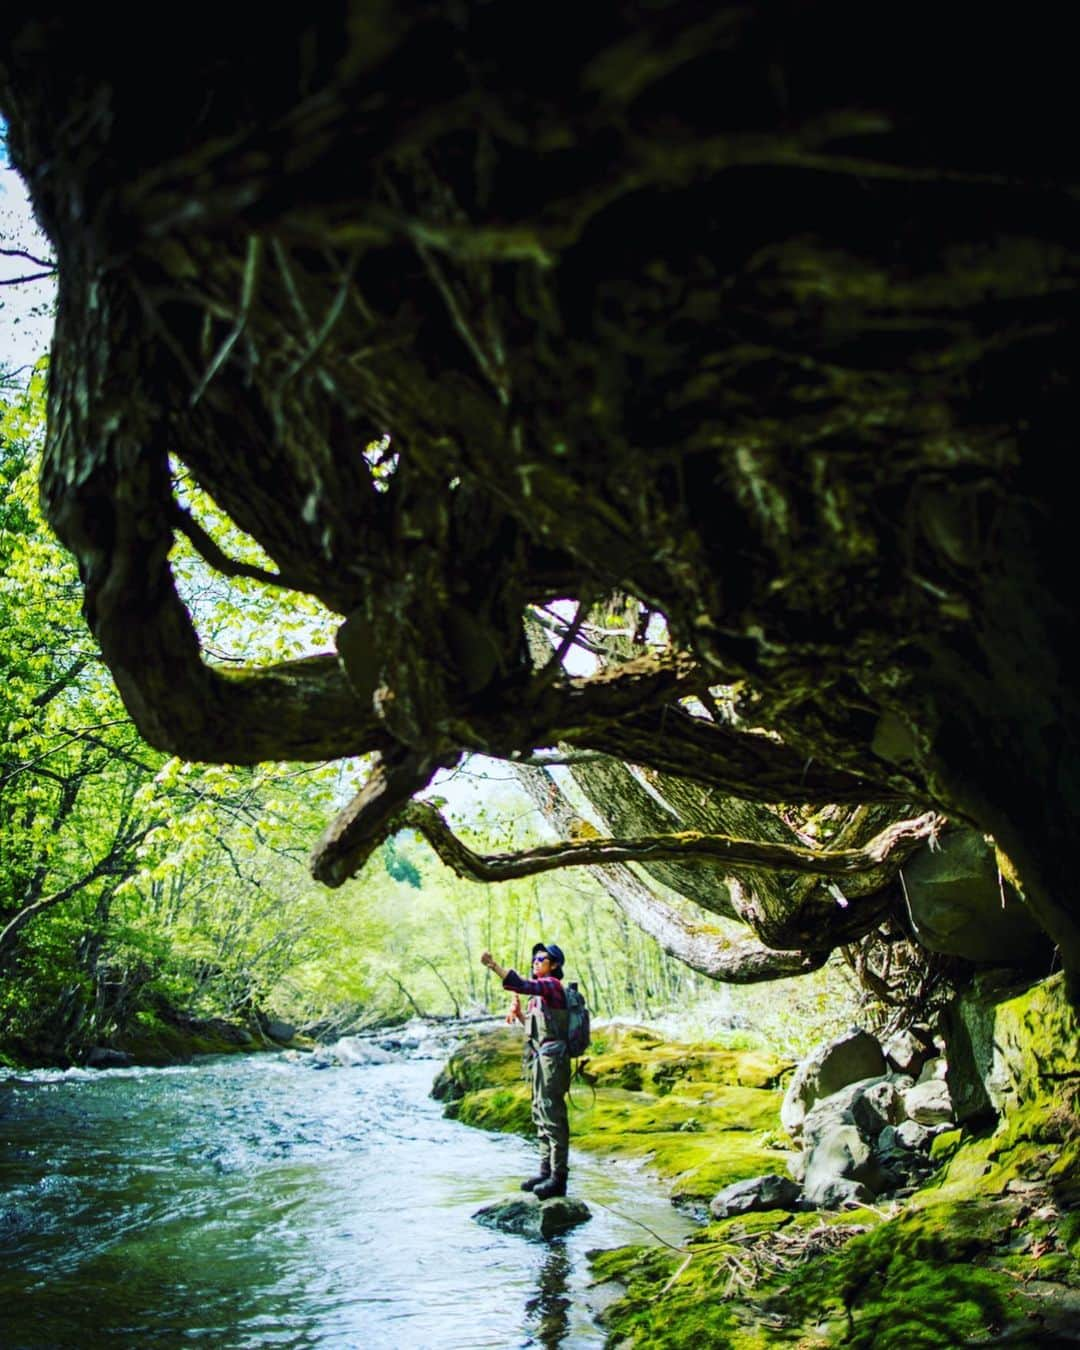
(486, 1060)
(681, 1110)
(507, 1108)
(944, 1145)
(919, 1280)
(989, 1249)
(983, 1251)
(156, 1040)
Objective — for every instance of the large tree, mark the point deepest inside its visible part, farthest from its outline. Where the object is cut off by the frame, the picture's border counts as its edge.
(755, 314)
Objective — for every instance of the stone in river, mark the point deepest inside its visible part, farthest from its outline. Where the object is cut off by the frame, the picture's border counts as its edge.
(528, 1217)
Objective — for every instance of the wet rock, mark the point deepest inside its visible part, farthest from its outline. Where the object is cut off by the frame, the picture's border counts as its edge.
(101, 1057)
(528, 1217)
(757, 1193)
(351, 1051)
(849, 1058)
(929, 1103)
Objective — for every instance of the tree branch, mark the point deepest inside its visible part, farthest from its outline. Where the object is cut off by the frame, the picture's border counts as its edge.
(740, 763)
(212, 553)
(50, 263)
(892, 844)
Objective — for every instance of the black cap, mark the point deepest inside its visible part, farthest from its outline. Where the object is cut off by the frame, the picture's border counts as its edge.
(556, 953)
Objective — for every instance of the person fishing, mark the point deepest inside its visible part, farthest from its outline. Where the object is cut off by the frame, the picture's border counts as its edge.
(547, 1059)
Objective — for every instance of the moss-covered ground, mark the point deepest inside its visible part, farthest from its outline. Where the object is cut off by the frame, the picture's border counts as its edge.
(987, 1253)
(700, 1116)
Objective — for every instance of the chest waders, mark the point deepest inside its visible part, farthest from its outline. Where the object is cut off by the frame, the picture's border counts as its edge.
(547, 1065)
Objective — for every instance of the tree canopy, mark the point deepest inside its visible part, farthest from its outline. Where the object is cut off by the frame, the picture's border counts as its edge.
(746, 316)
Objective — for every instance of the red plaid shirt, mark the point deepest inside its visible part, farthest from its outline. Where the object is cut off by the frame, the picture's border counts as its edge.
(547, 988)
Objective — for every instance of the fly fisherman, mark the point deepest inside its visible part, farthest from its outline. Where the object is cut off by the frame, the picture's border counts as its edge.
(547, 1059)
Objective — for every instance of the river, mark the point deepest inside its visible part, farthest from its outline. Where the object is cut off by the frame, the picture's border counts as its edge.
(260, 1202)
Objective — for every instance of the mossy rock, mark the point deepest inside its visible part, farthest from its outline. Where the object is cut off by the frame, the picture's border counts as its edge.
(156, 1040)
(694, 1125)
(508, 1109)
(636, 1058)
(988, 1251)
(490, 1058)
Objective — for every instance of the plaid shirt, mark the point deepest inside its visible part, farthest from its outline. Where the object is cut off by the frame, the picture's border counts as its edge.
(547, 989)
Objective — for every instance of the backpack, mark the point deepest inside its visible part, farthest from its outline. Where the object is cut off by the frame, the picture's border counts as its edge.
(577, 1024)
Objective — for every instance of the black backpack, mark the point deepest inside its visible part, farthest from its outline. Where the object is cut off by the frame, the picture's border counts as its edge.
(577, 1023)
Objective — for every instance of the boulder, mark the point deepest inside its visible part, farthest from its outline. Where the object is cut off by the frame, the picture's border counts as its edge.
(877, 1105)
(837, 1193)
(934, 1068)
(842, 1153)
(851, 1057)
(929, 1103)
(528, 1217)
(102, 1057)
(908, 1050)
(914, 1137)
(278, 1030)
(870, 1104)
(960, 905)
(1007, 1043)
(351, 1051)
(755, 1194)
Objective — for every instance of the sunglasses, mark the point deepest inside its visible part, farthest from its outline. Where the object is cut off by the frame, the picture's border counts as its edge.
(542, 957)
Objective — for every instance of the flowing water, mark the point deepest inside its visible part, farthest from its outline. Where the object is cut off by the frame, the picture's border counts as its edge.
(259, 1202)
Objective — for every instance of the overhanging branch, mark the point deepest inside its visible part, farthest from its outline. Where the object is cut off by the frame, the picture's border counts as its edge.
(893, 844)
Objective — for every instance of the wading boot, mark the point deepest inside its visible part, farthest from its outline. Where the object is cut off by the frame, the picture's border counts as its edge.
(543, 1175)
(555, 1185)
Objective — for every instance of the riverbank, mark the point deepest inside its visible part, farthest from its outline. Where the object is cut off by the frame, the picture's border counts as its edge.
(160, 1039)
(698, 1116)
(987, 1251)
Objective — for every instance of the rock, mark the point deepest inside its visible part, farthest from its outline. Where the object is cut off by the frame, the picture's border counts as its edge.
(842, 1153)
(351, 1051)
(530, 1218)
(933, 1069)
(870, 1104)
(101, 1057)
(837, 1193)
(929, 1103)
(278, 1030)
(907, 1052)
(877, 1105)
(1007, 1043)
(757, 1193)
(914, 1137)
(960, 905)
(849, 1058)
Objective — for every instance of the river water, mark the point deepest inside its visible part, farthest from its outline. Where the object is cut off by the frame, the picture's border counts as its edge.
(259, 1202)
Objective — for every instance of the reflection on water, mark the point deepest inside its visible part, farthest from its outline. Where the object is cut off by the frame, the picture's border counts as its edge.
(549, 1308)
(259, 1202)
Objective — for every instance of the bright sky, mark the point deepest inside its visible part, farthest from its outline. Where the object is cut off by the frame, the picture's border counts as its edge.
(25, 311)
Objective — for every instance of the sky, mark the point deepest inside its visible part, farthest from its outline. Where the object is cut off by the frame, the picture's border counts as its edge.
(25, 311)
